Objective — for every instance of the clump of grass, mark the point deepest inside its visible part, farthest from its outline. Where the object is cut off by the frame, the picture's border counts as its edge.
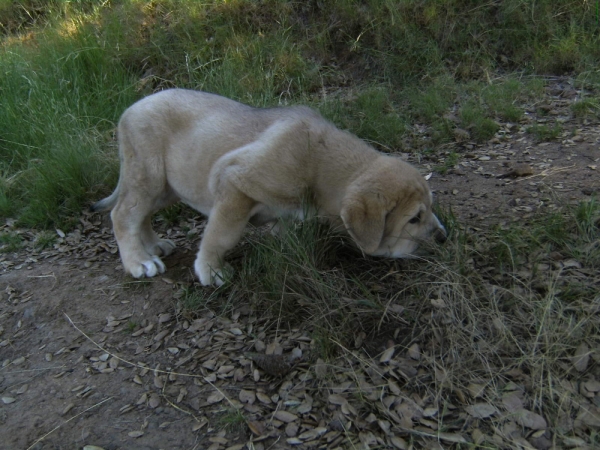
(433, 100)
(585, 107)
(371, 114)
(44, 239)
(448, 164)
(474, 119)
(544, 132)
(10, 242)
(295, 277)
(503, 305)
(53, 122)
(232, 420)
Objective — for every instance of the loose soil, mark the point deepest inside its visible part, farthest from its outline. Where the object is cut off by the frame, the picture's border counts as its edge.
(92, 357)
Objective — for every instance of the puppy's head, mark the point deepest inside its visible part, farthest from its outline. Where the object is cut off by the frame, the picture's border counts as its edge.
(387, 210)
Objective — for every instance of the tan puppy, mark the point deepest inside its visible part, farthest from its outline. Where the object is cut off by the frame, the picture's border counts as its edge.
(235, 164)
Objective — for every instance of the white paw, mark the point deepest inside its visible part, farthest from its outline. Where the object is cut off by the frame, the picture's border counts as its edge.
(207, 275)
(164, 247)
(148, 268)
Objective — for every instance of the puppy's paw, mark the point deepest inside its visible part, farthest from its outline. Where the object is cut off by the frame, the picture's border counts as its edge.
(210, 275)
(164, 247)
(148, 268)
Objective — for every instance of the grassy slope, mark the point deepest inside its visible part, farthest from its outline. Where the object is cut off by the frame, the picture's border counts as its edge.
(71, 68)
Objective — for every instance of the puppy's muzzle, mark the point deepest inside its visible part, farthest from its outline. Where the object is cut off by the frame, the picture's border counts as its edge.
(440, 235)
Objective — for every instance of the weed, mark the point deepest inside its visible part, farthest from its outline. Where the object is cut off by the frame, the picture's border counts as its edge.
(10, 242)
(45, 239)
(543, 132)
(449, 162)
(371, 115)
(173, 214)
(586, 106)
(131, 326)
(232, 420)
(196, 300)
(474, 119)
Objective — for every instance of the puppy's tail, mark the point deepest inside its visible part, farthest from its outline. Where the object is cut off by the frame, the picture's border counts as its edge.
(106, 204)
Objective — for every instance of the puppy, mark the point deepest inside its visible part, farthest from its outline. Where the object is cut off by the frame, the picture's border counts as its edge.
(238, 164)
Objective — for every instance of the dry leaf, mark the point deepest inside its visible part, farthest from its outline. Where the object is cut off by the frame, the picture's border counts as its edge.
(312, 434)
(478, 436)
(320, 368)
(414, 352)
(529, 419)
(481, 410)
(276, 365)
(135, 434)
(247, 396)
(257, 428)
(215, 397)
(476, 390)
(398, 442)
(582, 357)
(154, 400)
(452, 437)
(291, 429)
(306, 406)
(263, 398)
(589, 416)
(336, 399)
(512, 402)
(285, 416)
(386, 356)
(394, 388)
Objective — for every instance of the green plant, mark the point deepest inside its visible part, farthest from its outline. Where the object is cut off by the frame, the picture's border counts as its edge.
(474, 119)
(45, 239)
(543, 132)
(585, 106)
(10, 242)
(449, 162)
(232, 420)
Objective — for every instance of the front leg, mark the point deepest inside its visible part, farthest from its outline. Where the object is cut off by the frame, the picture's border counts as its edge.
(224, 230)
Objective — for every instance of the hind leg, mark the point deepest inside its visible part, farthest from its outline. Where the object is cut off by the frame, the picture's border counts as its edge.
(152, 243)
(131, 224)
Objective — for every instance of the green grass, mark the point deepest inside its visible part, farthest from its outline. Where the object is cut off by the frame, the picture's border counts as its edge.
(10, 242)
(543, 132)
(45, 239)
(71, 68)
(586, 107)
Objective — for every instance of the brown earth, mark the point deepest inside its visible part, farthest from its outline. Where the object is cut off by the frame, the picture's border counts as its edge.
(91, 357)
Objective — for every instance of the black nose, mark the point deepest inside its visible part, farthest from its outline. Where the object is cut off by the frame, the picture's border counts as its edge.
(440, 235)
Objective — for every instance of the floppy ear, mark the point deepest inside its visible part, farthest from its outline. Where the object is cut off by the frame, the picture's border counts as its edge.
(364, 218)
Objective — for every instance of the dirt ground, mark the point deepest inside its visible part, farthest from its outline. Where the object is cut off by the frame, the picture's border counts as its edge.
(90, 357)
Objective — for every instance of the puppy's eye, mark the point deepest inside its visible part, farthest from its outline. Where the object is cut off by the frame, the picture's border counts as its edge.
(415, 219)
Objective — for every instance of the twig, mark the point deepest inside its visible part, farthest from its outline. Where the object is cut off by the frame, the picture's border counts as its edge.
(544, 173)
(35, 370)
(66, 422)
(126, 361)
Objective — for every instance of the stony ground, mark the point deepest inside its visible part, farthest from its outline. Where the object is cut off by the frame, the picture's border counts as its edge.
(91, 357)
